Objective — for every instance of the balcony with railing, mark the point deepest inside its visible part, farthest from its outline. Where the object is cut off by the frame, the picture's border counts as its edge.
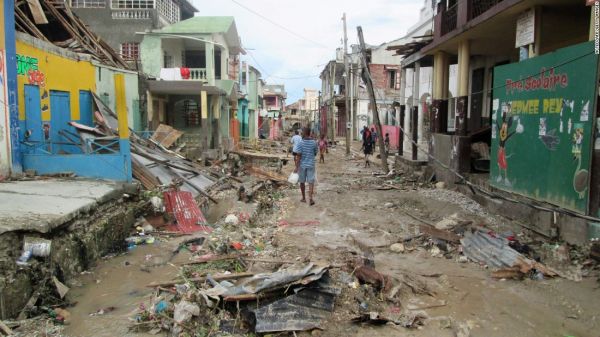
(449, 19)
(184, 74)
(478, 7)
(134, 14)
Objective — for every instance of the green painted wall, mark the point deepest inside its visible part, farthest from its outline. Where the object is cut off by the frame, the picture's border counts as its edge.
(151, 55)
(105, 88)
(543, 117)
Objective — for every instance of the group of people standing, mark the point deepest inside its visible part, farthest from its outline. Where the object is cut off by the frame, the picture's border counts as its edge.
(369, 141)
(304, 150)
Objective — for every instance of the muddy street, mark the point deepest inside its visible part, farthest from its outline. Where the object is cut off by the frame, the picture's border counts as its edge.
(436, 290)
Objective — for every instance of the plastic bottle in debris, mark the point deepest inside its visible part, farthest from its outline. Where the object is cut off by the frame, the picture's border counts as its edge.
(24, 258)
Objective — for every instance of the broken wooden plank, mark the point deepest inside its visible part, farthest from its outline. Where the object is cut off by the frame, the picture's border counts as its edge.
(217, 277)
(32, 300)
(439, 234)
(5, 329)
(39, 17)
(214, 259)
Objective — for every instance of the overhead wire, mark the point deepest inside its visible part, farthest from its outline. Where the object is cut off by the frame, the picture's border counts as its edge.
(279, 25)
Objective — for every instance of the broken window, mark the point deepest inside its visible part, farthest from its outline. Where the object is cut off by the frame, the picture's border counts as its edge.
(88, 3)
(392, 79)
(130, 51)
(132, 4)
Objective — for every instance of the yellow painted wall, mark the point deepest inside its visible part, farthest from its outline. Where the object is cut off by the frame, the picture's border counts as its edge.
(55, 73)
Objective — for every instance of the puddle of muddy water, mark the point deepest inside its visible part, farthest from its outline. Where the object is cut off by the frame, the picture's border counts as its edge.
(120, 282)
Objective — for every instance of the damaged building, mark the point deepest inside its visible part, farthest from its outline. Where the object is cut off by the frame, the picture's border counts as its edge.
(192, 68)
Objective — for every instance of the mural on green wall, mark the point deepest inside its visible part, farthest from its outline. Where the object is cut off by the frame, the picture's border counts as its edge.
(542, 126)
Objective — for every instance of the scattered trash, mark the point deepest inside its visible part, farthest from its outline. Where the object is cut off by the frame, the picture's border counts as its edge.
(184, 311)
(61, 288)
(182, 206)
(496, 253)
(23, 260)
(39, 247)
(305, 310)
(397, 248)
(103, 311)
(232, 219)
(161, 307)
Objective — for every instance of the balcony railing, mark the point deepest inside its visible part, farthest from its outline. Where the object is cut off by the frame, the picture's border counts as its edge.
(449, 18)
(198, 74)
(478, 7)
(132, 14)
(184, 74)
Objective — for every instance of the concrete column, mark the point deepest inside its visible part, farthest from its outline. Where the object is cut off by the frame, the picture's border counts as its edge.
(121, 104)
(441, 75)
(417, 100)
(464, 55)
(210, 62)
(402, 93)
(149, 110)
(407, 115)
(225, 65)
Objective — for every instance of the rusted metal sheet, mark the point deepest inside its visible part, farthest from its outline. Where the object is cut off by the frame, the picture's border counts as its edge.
(183, 207)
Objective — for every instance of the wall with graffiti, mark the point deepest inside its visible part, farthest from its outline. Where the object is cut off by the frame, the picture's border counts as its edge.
(51, 69)
(542, 126)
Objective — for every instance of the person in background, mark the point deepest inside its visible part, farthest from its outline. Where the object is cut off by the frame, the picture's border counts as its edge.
(295, 141)
(387, 142)
(322, 148)
(367, 145)
(373, 137)
(363, 133)
(305, 167)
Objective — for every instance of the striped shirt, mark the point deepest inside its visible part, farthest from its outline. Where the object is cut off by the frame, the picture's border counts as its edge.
(308, 151)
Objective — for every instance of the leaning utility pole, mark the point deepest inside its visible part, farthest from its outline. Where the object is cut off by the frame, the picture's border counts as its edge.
(369, 83)
(347, 72)
(331, 127)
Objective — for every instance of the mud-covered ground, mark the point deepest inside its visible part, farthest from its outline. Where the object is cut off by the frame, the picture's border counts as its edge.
(351, 218)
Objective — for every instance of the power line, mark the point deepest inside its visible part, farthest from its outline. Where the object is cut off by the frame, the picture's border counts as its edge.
(279, 25)
(278, 77)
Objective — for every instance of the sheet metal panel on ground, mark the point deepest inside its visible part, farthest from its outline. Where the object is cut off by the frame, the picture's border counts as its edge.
(542, 126)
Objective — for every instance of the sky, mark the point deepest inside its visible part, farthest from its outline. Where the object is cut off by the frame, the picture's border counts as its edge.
(296, 58)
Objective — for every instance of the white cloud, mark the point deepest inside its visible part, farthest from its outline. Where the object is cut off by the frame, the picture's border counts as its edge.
(281, 54)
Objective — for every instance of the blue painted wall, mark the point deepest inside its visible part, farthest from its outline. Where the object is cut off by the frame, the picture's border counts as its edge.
(11, 73)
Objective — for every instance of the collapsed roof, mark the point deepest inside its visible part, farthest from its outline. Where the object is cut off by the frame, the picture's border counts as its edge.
(54, 22)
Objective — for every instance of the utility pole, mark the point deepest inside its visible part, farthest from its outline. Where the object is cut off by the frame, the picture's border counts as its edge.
(331, 127)
(369, 82)
(347, 71)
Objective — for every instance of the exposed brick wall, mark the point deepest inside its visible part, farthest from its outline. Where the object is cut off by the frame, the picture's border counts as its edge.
(379, 75)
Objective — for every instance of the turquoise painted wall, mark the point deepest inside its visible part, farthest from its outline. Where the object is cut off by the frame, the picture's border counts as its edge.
(105, 88)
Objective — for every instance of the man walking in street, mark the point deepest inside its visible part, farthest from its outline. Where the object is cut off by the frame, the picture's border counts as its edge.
(295, 141)
(305, 166)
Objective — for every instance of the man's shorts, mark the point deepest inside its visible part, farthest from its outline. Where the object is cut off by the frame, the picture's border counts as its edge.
(307, 175)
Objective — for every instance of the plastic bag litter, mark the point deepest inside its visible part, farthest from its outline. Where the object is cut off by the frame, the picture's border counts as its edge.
(294, 177)
(184, 311)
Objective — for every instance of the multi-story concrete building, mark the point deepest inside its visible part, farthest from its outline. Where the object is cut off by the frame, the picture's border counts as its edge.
(525, 108)
(118, 21)
(270, 119)
(193, 80)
